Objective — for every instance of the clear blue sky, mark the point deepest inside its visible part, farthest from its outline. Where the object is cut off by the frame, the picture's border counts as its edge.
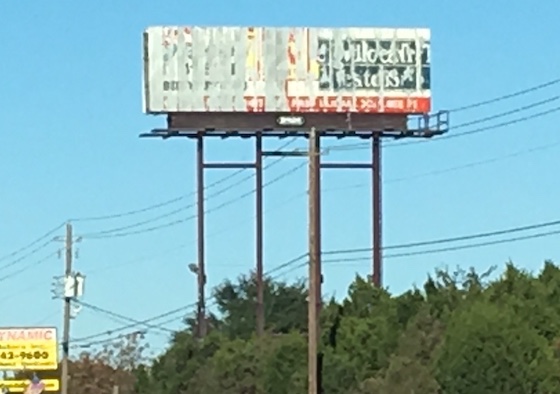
(71, 112)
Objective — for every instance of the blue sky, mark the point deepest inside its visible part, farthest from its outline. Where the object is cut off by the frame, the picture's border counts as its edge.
(71, 102)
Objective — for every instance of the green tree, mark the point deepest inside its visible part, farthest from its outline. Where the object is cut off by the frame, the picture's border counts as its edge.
(411, 366)
(490, 348)
(459, 333)
(285, 306)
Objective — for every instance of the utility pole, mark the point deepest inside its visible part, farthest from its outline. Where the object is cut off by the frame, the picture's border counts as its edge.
(67, 300)
(315, 275)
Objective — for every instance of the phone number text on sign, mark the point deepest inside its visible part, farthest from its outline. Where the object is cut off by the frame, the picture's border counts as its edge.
(28, 348)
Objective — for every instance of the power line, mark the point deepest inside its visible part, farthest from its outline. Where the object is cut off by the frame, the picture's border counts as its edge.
(453, 248)
(222, 191)
(165, 215)
(176, 199)
(526, 118)
(506, 113)
(459, 167)
(432, 242)
(186, 244)
(472, 164)
(293, 265)
(439, 241)
(119, 316)
(476, 245)
(31, 244)
(25, 256)
(429, 251)
(388, 181)
(452, 239)
(102, 235)
(297, 263)
(144, 322)
(171, 201)
(138, 224)
(26, 268)
(499, 125)
(506, 96)
(136, 323)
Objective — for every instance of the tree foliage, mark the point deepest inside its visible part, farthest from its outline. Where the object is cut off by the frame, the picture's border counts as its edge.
(460, 333)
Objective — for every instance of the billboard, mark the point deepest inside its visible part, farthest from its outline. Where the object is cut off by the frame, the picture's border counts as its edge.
(29, 348)
(293, 69)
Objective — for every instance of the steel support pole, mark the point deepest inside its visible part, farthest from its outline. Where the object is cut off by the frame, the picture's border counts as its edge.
(376, 191)
(317, 203)
(201, 274)
(260, 317)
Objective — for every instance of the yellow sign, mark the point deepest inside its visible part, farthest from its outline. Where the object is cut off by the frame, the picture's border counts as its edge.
(19, 386)
(28, 348)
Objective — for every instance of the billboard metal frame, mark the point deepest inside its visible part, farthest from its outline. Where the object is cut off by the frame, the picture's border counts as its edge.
(371, 126)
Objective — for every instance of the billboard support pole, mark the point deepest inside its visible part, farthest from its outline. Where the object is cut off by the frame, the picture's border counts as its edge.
(376, 214)
(260, 315)
(201, 272)
(201, 165)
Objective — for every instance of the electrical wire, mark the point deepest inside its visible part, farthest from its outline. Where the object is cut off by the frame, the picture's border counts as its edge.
(165, 215)
(26, 268)
(192, 217)
(293, 265)
(478, 163)
(31, 244)
(176, 199)
(497, 125)
(472, 164)
(296, 263)
(519, 109)
(506, 113)
(135, 324)
(166, 314)
(366, 145)
(506, 96)
(299, 258)
(119, 316)
(359, 185)
(423, 252)
(452, 239)
(25, 256)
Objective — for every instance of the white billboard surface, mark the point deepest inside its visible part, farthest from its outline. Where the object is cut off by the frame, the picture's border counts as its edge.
(294, 69)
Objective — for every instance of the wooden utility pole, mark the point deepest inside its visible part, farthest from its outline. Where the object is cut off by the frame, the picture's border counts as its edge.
(315, 276)
(66, 323)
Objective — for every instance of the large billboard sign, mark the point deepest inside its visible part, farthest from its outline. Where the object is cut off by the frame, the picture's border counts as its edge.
(294, 70)
(28, 348)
